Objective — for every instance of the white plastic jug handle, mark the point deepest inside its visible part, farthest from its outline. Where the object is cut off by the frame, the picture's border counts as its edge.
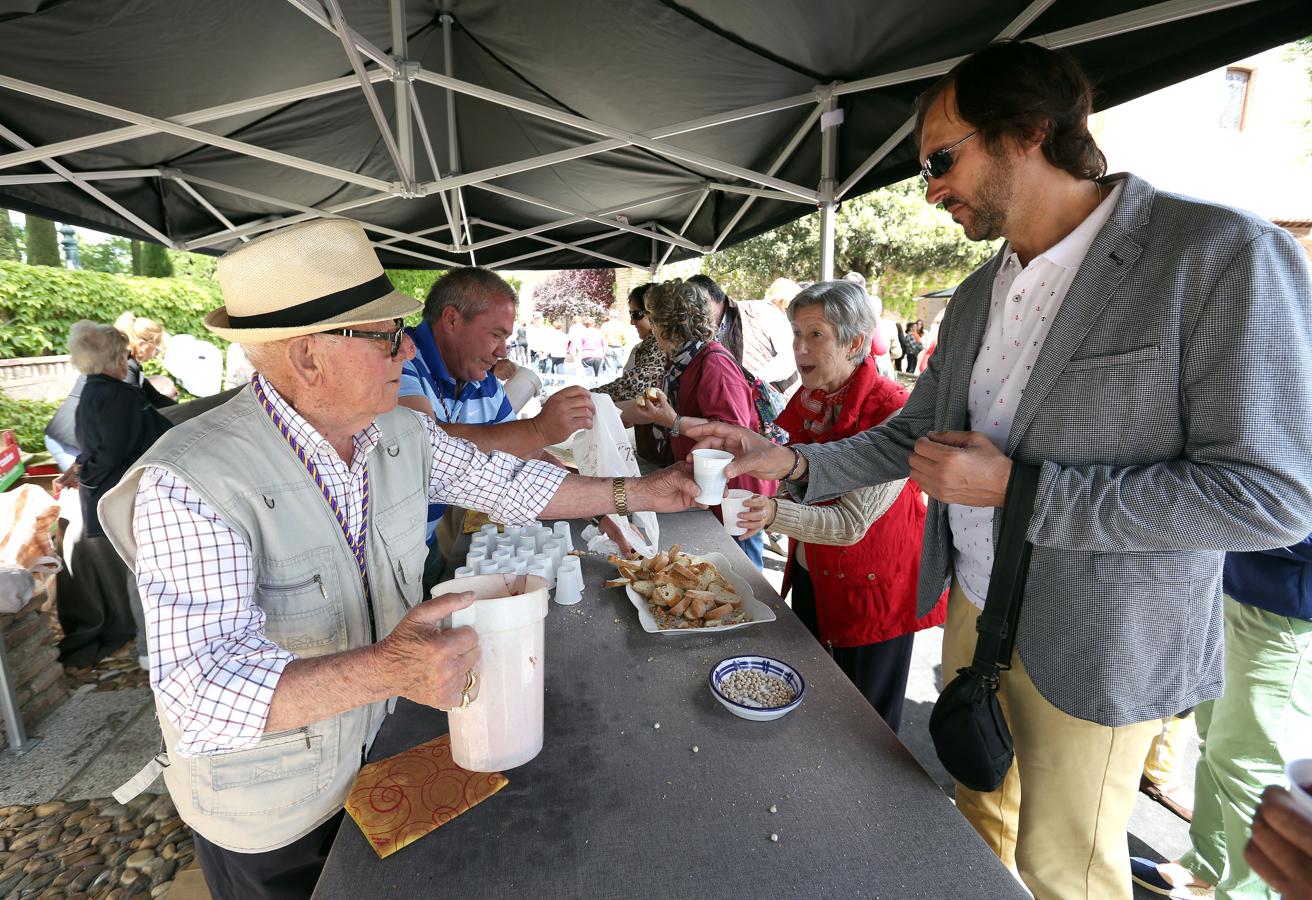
(460, 618)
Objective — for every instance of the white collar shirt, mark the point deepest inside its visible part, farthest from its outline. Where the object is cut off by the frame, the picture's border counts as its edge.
(1024, 303)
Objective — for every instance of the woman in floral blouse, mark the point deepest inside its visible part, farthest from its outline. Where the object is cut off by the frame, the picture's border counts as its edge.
(647, 363)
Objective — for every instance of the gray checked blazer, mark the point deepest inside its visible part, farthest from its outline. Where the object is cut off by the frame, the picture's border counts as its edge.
(1170, 409)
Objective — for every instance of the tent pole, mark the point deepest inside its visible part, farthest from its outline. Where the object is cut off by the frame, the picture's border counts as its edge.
(609, 223)
(432, 160)
(452, 138)
(199, 117)
(72, 177)
(553, 244)
(803, 130)
(830, 119)
(697, 207)
(401, 84)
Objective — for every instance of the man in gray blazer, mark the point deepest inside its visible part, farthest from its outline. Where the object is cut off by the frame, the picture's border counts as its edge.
(1106, 345)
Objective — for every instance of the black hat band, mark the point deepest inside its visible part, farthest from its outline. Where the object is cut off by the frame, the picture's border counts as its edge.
(320, 309)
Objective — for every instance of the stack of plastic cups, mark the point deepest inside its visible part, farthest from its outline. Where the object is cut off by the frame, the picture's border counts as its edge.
(491, 531)
(520, 566)
(487, 567)
(502, 554)
(569, 582)
(556, 551)
(513, 531)
(474, 557)
(526, 542)
(526, 555)
(540, 535)
(463, 572)
(506, 568)
(564, 535)
(539, 568)
(550, 565)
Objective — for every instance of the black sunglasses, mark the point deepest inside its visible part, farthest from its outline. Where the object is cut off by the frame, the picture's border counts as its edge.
(637, 315)
(939, 163)
(393, 338)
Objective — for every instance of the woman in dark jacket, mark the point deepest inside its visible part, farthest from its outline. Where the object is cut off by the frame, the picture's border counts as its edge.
(116, 423)
(1263, 719)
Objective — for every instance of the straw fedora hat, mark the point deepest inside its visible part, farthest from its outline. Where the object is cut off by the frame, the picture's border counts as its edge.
(306, 278)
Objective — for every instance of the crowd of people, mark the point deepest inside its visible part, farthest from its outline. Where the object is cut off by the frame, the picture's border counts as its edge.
(1092, 356)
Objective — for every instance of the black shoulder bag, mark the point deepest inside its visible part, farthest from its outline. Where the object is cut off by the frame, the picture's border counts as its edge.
(969, 730)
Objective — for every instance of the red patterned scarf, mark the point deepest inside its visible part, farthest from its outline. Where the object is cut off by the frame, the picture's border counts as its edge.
(820, 410)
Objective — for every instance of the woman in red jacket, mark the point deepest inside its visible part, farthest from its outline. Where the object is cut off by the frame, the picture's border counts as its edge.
(854, 562)
(704, 382)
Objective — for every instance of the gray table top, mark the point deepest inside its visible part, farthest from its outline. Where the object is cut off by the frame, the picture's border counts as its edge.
(615, 807)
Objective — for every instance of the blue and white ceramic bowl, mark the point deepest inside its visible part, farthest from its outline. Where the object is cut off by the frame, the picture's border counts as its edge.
(790, 676)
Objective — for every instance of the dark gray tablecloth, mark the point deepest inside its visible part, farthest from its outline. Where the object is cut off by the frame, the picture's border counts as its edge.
(615, 807)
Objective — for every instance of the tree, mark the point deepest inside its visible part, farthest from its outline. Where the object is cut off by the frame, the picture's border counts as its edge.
(576, 294)
(136, 257)
(155, 262)
(42, 243)
(8, 241)
(112, 255)
(891, 236)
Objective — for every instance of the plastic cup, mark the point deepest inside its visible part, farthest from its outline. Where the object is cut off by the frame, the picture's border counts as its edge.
(1299, 773)
(556, 551)
(545, 560)
(487, 567)
(541, 534)
(526, 542)
(734, 502)
(490, 530)
(564, 535)
(464, 572)
(474, 557)
(513, 531)
(708, 471)
(502, 553)
(569, 582)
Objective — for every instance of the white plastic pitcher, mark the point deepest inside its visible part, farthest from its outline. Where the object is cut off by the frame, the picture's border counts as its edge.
(503, 727)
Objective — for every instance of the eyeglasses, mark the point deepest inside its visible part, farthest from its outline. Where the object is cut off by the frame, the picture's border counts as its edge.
(394, 338)
(939, 163)
(637, 315)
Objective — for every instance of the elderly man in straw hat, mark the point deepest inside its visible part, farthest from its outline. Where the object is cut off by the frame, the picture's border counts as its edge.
(279, 543)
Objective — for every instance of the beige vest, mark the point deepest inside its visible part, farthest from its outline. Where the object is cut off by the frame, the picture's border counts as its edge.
(308, 585)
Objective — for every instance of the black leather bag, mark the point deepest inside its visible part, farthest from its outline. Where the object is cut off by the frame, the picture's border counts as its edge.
(969, 731)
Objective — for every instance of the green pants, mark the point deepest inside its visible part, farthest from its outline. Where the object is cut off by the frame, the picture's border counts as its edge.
(1263, 718)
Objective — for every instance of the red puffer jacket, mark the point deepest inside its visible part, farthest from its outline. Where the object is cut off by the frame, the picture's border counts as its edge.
(866, 593)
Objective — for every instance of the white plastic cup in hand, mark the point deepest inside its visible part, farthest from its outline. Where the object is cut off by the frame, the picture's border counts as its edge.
(708, 471)
(569, 582)
(1299, 773)
(734, 504)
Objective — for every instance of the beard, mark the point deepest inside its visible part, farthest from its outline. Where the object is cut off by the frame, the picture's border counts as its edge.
(985, 218)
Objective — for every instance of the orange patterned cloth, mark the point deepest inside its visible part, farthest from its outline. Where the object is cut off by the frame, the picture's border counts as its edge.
(398, 800)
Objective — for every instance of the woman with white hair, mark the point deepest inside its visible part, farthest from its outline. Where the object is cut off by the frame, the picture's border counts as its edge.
(115, 424)
(855, 561)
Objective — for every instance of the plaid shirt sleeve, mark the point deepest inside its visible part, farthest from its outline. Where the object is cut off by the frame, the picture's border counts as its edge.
(211, 666)
(508, 489)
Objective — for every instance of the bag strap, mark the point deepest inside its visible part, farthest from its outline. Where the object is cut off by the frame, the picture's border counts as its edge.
(1011, 563)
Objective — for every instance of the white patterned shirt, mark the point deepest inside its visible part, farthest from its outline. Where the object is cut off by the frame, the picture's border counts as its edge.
(1024, 303)
(211, 666)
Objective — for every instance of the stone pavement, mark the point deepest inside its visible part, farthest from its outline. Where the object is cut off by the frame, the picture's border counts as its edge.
(61, 832)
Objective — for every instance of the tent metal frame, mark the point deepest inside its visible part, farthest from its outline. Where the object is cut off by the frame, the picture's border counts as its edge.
(399, 138)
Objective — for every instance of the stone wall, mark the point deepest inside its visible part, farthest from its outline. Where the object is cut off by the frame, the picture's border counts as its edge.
(37, 377)
(31, 649)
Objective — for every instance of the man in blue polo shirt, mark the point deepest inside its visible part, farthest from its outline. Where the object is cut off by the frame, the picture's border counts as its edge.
(468, 316)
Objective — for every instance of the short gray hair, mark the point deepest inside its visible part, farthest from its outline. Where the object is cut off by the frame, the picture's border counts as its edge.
(265, 355)
(95, 349)
(470, 290)
(846, 307)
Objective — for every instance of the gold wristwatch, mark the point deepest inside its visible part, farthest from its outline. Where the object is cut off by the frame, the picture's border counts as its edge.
(621, 496)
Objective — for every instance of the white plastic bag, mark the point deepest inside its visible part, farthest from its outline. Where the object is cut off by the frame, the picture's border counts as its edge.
(604, 450)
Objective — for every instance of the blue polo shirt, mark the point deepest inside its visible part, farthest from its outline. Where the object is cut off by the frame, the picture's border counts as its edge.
(478, 403)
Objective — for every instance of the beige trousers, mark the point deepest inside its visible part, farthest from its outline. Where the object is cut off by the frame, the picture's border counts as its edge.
(1067, 840)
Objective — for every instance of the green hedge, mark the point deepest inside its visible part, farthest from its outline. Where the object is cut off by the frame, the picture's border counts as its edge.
(27, 419)
(38, 304)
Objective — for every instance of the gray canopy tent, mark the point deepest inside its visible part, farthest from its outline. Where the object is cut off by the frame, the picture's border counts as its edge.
(530, 135)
